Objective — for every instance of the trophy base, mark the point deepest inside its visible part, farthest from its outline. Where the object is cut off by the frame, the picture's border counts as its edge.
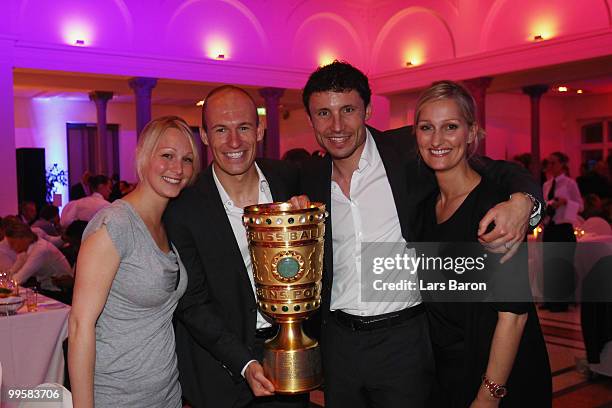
(295, 371)
(292, 361)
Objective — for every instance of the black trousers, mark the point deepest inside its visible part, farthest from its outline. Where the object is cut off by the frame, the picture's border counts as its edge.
(246, 398)
(383, 368)
(559, 276)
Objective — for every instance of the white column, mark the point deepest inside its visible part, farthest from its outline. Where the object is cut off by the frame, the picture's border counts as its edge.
(381, 112)
(8, 165)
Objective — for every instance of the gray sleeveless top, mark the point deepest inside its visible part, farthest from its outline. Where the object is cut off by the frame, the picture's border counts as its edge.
(135, 352)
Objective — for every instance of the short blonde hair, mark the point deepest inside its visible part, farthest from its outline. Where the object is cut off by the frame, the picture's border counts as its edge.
(464, 100)
(149, 139)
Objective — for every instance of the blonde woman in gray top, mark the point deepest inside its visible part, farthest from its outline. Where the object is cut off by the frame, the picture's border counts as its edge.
(129, 280)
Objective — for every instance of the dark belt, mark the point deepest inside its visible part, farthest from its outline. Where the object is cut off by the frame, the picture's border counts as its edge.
(364, 323)
(266, 332)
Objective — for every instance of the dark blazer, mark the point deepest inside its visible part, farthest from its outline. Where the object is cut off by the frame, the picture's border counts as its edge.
(216, 318)
(411, 182)
(77, 191)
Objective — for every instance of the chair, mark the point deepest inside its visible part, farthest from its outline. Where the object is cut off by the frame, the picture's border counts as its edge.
(65, 403)
(597, 226)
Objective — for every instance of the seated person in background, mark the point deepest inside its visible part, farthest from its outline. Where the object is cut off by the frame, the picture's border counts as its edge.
(81, 189)
(36, 258)
(55, 240)
(49, 220)
(85, 208)
(27, 212)
(72, 238)
(7, 255)
(593, 207)
(120, 189)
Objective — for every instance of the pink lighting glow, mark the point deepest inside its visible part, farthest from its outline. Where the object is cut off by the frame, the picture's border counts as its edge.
(77, 33)
(414, 55)
(217, 48)
(326, 58)
(543, 29)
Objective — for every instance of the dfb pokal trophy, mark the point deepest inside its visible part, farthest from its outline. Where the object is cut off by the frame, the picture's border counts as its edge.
(286, 246)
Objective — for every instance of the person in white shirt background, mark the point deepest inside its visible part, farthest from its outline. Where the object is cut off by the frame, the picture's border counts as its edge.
(36, 258)
(564, 202)
(85, 208)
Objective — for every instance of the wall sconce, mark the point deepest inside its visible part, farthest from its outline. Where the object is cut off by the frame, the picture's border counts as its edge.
(79, 42)
(579, 91)
(409, 64)
(538, 37)
(562, 89)
(326, 59)
(261, 111)
(200, 103)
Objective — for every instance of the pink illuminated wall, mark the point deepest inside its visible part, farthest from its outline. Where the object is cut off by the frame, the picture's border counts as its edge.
(279, 42)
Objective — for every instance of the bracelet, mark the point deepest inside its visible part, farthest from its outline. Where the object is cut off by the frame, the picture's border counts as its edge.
(496, 390)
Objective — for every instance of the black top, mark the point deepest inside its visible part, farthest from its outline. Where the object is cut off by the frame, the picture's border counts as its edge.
(462, 332)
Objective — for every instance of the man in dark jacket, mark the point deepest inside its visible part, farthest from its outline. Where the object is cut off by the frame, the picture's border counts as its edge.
(377, 352)
(219, 331)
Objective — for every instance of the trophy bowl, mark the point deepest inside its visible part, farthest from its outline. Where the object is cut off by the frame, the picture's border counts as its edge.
(286, 247)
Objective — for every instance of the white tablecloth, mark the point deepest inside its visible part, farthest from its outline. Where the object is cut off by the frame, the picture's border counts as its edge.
(31, 346)
(589, 250)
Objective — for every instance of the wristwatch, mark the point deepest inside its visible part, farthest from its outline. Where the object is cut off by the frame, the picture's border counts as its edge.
(536, 210)
(496, 390)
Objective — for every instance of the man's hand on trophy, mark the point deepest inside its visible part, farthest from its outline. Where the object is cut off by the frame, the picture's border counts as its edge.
(300, 202)
(260, 385)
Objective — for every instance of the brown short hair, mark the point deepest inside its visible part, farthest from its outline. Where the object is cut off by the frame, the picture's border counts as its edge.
(19, 230)
(149, 138)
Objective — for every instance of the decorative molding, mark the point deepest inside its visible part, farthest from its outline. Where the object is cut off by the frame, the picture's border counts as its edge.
(238, 6)
(397, 17)
(99, 61)
(534, 55)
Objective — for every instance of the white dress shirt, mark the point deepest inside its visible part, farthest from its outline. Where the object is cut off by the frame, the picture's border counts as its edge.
(82, 209)
(42, 234)
(369, 215)
(43, 261)
(565, 187)
(7, 256)
(234, 215)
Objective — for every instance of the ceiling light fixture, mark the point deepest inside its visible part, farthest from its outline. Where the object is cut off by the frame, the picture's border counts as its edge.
(579, 91)
(562, 89)
(200, 103)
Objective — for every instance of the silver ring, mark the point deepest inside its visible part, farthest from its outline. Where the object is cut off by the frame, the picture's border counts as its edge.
(506, 246)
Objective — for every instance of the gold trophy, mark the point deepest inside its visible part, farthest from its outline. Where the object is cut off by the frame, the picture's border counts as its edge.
(286, 246)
